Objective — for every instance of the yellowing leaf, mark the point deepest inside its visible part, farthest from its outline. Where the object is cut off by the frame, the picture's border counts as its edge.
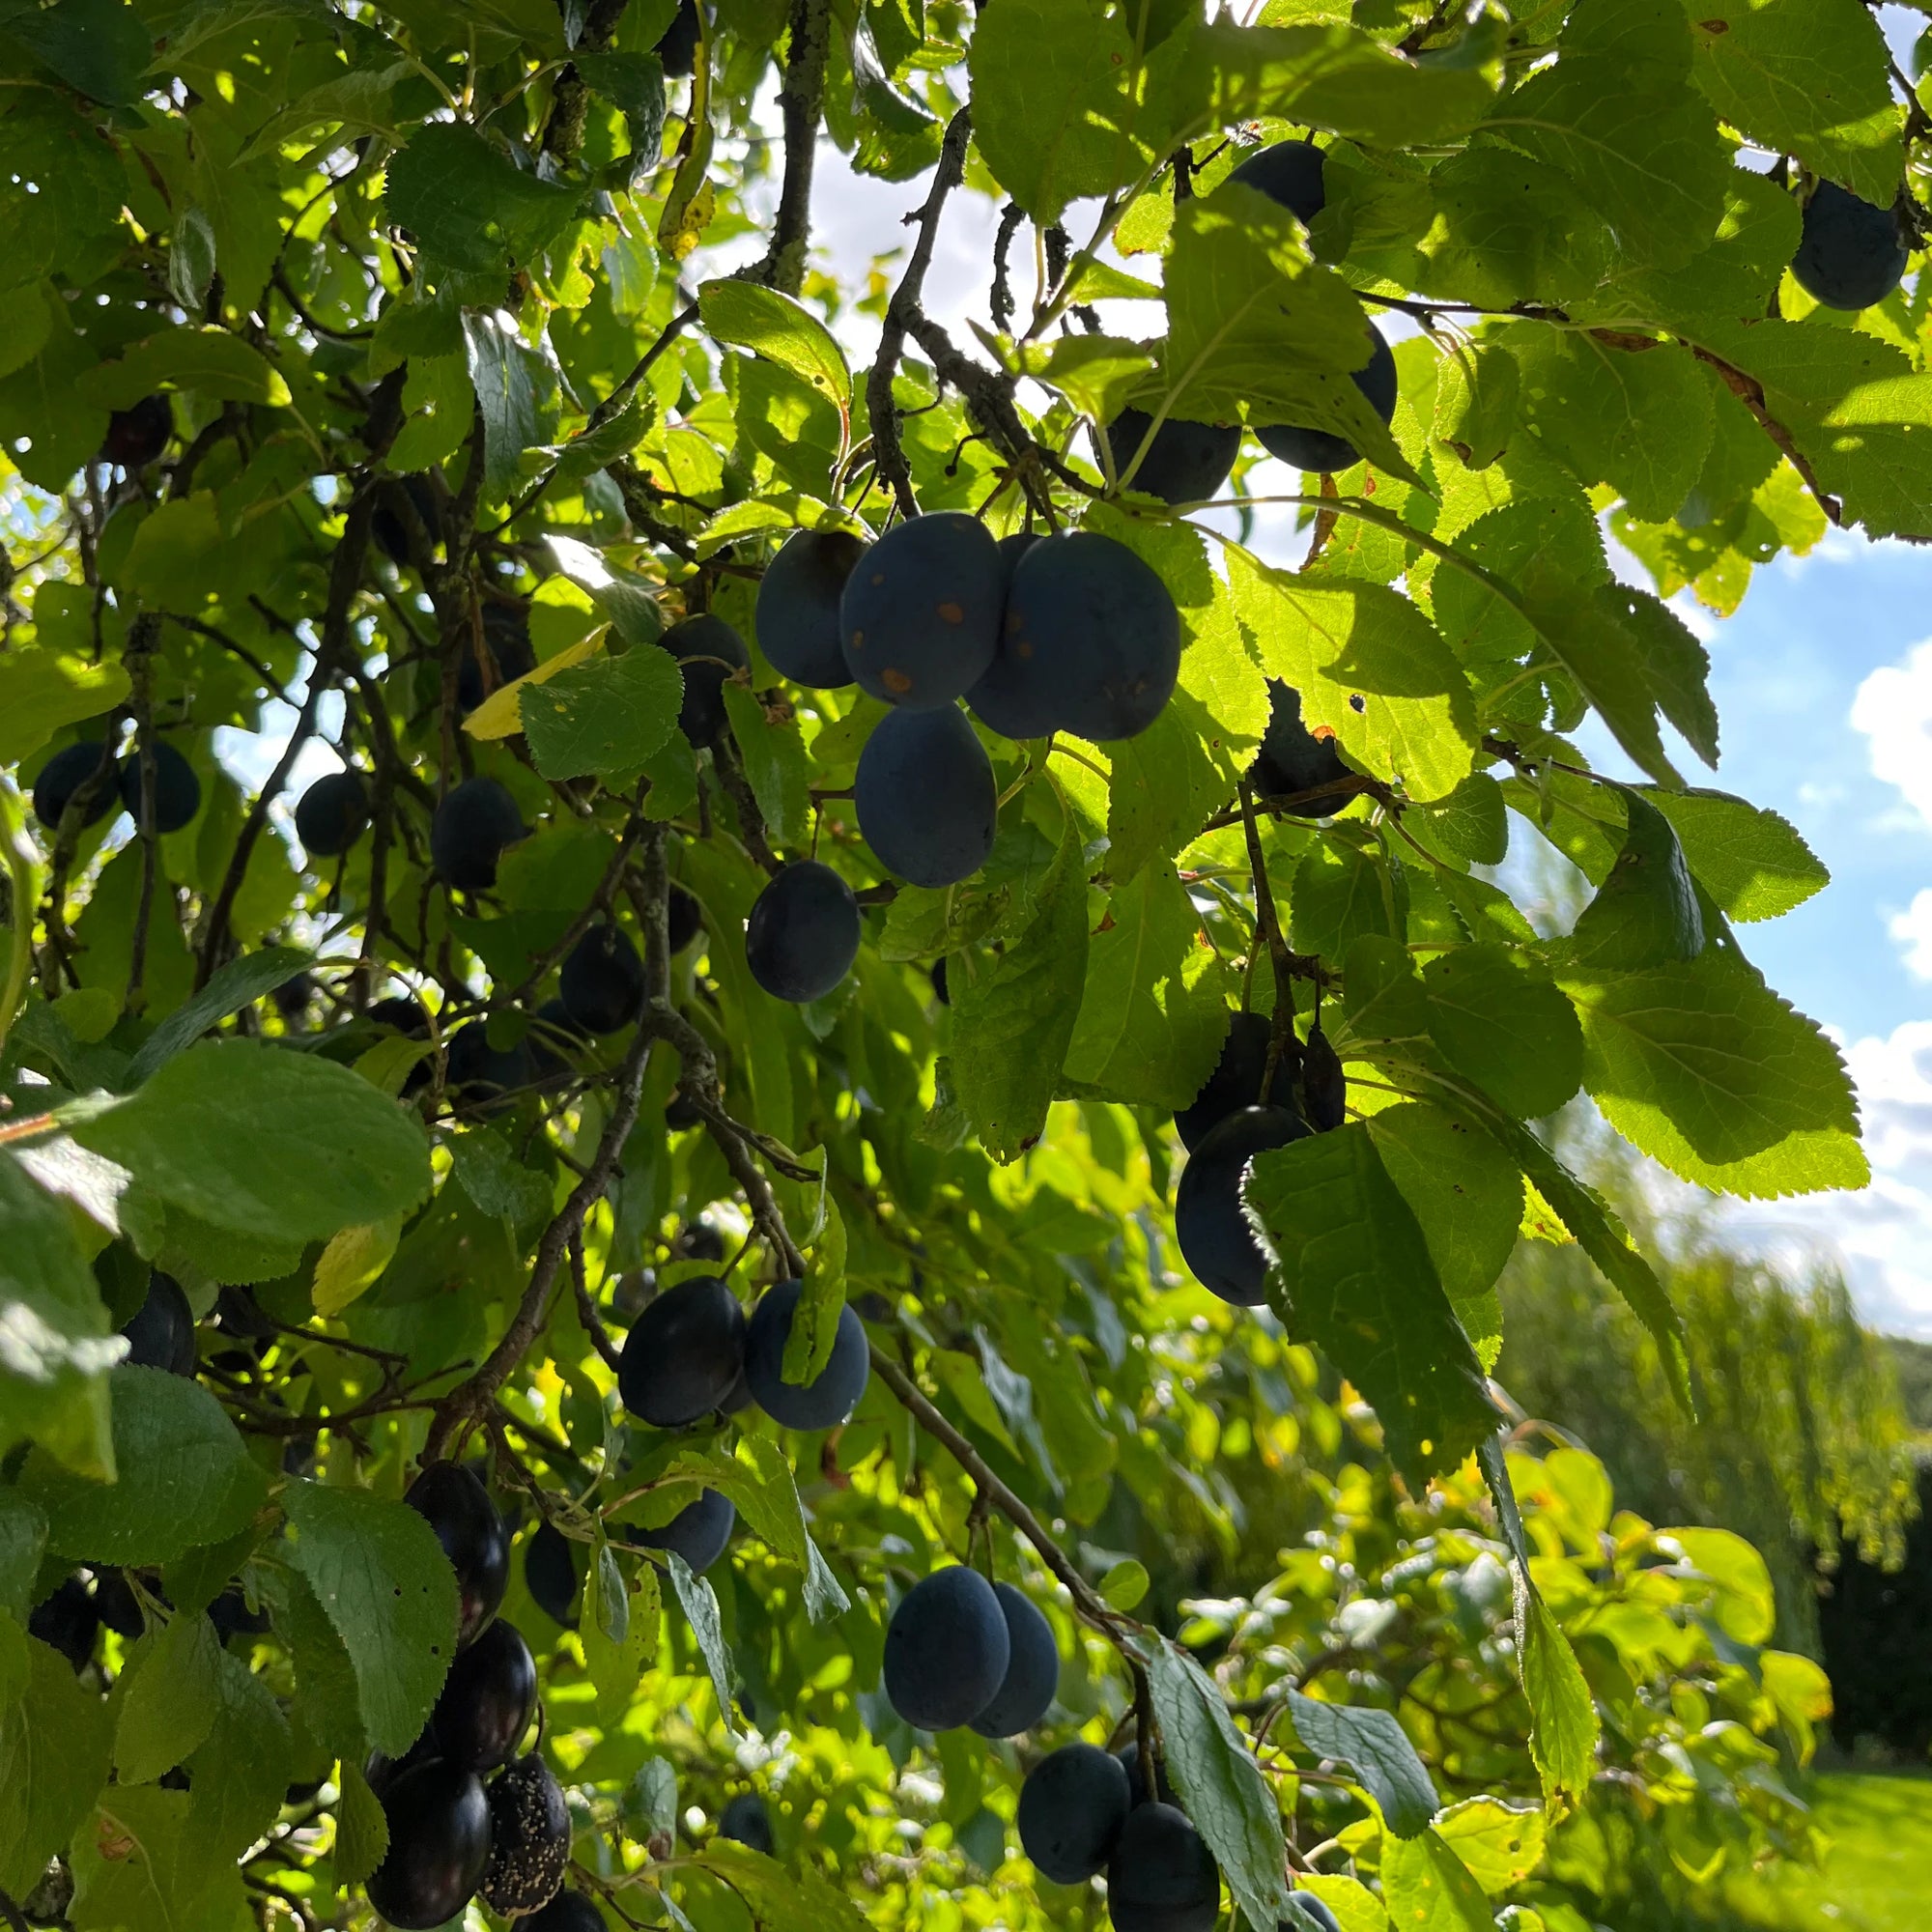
(501, 714)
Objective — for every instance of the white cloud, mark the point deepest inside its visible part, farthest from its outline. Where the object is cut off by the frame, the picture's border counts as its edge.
(1912, 928)
(1893, 709)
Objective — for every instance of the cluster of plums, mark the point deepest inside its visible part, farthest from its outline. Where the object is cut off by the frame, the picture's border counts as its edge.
(90, 764)
(960, 1649)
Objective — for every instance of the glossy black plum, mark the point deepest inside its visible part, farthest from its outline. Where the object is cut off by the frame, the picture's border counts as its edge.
(1853, 254)
(699, 1532)
(685, 918)
(438, 1845)
(139, 434)
(1324, 1085)
(677, 45)
(567, 1912)
(1185, 463)
(177, 788)
(506, 643)
(833, 1394)
(160, 1333)
(1236, 1079)
(1162, 1877)
(1032, 1670)
(602, 983)
(683, 1353)
(529, 1838)
(1292, 759)
(1129, 1756)
(709, 650)
(388, 527)
(1319, 451)
(1215, 1239)
(554, 1575)
(66, 771)
(1290, 172)
(1098, 630)
(803, 933)
(487, 1702)
(1072, 1807)
(477, 822)
(458, 1508)
(798, 608)
(747, 1820)
(1308, 1914)
(67, 1620)
(332, 813)
(920, 616)
(479, 1071)
(927, 799)
(947, 1650)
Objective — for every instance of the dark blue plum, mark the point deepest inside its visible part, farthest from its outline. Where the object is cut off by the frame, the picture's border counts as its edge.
(439, 1846)
(1072, 1807)
(487, 1702)
(747, 1820)
(479, 1071)
(1292, 759)
(66, 1621)
(1215, 1239)
(332, 813)
(947, 1650)
(392, 533)
(1236, 1079)
(454, 1504)
(833, 1394)
(1162, 1877)
(567, 1912)
(552, 1574)
(529, 1838)
(798, 608)
(1321, 451)
(803, 933)
(698, 1532)
(1032, 1670)
(602, 984)
(66, 771)
(1185, 463)
(139, 434)
(927, 799)
(677, 45)
(1129, 1756)
(1292, 173)
(160, 1335)
(1308, 1914)
(684, 916)
(683, 1354)
(1324, 1084)
(920, 616)
(506, 643)
(1852, 254)
(708, 650)
(1008, 698)
(477, 822)
(177, 788)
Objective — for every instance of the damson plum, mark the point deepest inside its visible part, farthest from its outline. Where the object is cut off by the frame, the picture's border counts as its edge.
(708, 650)
(1292, 759)
(139, 434)
(947, 1650)
(927, 803)
(438, 1845)
(70, 768)
(487, 1702)
(685, 918)
(919, 615)
(1099, 631)
(1032, 1670)
(1008, 698)
(160, 1333)
(1185, 463)
(1215, 1239)
(1853, 254)
(529, 1838)
(747, 1820)
(698, 1532)
(1162, 1877)
(552, 1575)
(506, 645)
(472, 827)
(567, 1912)
(833, 1394)
(803, 933)
(1072, 1807)
(177, 788)
(602, 984)
(1292, 173)
(683, 1353)
(332, 813)
(458, 1508)
(66, 1621)
(1321, 451)
(677, 45)
(1236, 1079)
(798, 608)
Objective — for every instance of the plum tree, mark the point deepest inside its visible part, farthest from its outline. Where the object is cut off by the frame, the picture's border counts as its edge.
(947, 1650)
(1184, 463)
(798, 608)
(503, 653)
(684, 916)
(567, 1912)
(831, 1396)
(160, 1332)
(927, 799)
(1215, 1239)
(476, 823)
(677, 45)
(602, 983)
(698, 1532)
(438, 1819)
(919, 615)
(1162, 1877)
(457, 1506)
(552, 1575)
(1071, 1809)
(1324, 1085)
(487, 1702)
(332, 813)
(1292, 172)
(803, 932)
(529, 1838)
(708, 651)
(1129, 1756)
(66, 1620)
(1238, 1076)
(89, 763)
(1098, 632)
(1032, 1670)
(139, 434)
(683, 1353)
(747, 1820)
(1291, 758)
(1321, 450)
(1851, 255)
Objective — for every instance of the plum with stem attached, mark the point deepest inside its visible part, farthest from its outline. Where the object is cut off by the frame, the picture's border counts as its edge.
(947, 1650)
(831, 1396)
(1071, 1810)
(803, 933)
(798, 608)
(1215, 1238)
(476, 823)
(919, 615)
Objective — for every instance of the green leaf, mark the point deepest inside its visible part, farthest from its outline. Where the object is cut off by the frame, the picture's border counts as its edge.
(619, 1635)
(606, 716)
(1706, 1069)
(1153, 1012)
(136, 1866)
(1427, 1888)
(53, 1759)
(700, 1611)
(776, 764)
(23, 1542)
(1354, 1275)
(1014, 1016)
(239, 984)
(1343, 893)
(516, 392)
(1377, 1750)
(42, 689)
(98, 47)
(1472, 823)
(381, 1576)
(1752, 863)
(779, 1898)
(1746, 1605)
(361, 1827)
(326, 1704)
(211, 361)
(1219, 1782)
(1500, 1020)
(167, 1698)
(325, 1149)
(1500, 1843)
(185, 1476)
(492, 1175)
(780, 329)
(815, 1321)
(634, 85)
(649, 1805)
(468, 204)
(1125, 1584)
(1646, 913)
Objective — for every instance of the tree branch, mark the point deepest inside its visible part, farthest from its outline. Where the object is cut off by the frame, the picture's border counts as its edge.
(801, 100)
